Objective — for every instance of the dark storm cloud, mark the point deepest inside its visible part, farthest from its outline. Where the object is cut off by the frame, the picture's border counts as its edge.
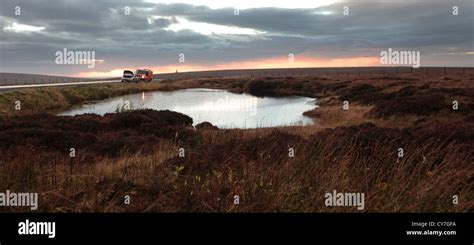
(100, 26)
(103, 27)
(395, 23)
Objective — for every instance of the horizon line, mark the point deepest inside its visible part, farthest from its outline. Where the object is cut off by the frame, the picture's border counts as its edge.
(244, 69)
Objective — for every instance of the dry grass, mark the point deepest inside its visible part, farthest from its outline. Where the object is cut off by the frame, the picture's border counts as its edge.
(353, 151)
(52, 99)
(256, 167)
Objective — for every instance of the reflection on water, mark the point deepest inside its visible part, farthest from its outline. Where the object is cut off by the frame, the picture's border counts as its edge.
(219, 107)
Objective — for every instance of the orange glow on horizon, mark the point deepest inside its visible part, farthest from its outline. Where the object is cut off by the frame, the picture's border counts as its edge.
(275, 62)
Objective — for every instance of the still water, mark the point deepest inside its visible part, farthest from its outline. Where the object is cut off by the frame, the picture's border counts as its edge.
(219, 107)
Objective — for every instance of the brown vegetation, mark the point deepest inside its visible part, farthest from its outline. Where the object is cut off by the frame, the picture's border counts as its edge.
(136, 153)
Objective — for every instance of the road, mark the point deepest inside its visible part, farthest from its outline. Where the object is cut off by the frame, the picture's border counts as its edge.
(12, 87)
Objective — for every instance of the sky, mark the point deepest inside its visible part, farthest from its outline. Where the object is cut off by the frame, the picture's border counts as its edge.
(212, 35)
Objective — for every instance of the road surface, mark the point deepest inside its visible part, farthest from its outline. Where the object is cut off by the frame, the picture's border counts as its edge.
(10, 87)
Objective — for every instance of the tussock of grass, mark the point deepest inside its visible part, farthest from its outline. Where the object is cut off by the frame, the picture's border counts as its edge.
(135, 153)
(253, 164)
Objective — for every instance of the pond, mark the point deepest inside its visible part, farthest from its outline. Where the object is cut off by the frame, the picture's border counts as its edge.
(219, 107)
